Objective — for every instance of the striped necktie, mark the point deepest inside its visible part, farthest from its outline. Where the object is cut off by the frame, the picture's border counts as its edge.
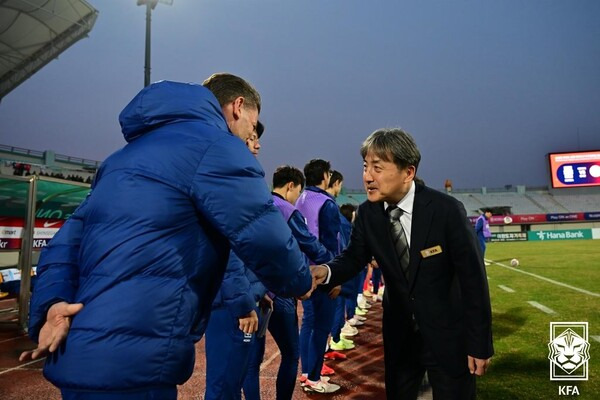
(399, 238)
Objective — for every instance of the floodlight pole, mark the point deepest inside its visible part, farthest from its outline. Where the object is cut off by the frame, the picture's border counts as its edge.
(148, 30)
(150, 4)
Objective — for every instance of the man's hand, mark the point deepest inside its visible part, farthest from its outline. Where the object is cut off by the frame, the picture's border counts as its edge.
(249, 322)
(266, 302)
(54, 331)
(319, 274)
(306, 295)
(333, 293)
(478, 366)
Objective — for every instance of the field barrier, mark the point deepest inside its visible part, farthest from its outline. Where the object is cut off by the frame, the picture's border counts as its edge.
(545, 235)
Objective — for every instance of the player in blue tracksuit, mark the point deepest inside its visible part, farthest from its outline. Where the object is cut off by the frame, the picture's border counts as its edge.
(283, 324)
(323, 221)
(347, 298)
(336, 183)
(125, 287)
(230, 333)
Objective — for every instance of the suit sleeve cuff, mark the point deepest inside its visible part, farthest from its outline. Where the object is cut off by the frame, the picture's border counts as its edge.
(326, 281)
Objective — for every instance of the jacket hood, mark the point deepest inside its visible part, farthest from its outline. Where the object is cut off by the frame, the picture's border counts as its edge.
(166, 102)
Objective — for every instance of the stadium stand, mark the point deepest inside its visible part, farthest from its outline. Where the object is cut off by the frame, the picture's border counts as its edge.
(24, 162)
(517, 199)
(548, 202)
(524, 200)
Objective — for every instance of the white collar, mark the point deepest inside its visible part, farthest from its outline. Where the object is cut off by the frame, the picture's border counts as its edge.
(406, 203)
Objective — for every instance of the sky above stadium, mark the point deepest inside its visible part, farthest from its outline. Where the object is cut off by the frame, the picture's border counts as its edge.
(487, 88)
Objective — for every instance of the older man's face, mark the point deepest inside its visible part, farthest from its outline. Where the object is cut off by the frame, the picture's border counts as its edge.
(384, 181)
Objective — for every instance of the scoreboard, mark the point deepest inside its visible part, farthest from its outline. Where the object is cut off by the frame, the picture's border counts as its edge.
(575, 169)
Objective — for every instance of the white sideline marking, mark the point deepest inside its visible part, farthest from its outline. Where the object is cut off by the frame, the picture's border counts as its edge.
(21, 366)
(596, 338)
(12, 338)
(541, 307)
(549, 280)
(266, 363)
(506, 289)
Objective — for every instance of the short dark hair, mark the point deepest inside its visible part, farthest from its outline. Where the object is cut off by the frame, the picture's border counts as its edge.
(314, 171)
(336, 176)
(392, 144)
(227, 87)
(347, 210)
(286, 174)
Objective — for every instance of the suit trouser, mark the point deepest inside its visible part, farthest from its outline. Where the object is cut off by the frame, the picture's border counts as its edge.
(316, 325)
(376, 279)
(227, 354)
(283, 326)
(405, 366)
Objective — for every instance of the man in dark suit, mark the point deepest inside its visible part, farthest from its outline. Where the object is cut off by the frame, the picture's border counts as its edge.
(437, 313)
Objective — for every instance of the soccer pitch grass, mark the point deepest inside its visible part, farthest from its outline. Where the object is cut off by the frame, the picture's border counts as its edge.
(520, 368)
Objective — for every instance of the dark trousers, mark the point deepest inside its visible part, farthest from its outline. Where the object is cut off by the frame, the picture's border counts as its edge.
(283, 326)
(405, 366)
(227, 354)
(376, 279)
(164, 393)
(317, 321)
(339, 317)
(482, 245)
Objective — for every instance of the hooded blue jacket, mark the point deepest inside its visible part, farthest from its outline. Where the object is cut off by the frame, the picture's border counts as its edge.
(146, 251)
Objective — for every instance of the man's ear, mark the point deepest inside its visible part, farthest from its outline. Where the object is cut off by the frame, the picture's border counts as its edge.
(238, 104)
(411, 173)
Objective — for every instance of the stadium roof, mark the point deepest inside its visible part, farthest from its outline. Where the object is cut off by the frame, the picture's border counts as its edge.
(34, 32)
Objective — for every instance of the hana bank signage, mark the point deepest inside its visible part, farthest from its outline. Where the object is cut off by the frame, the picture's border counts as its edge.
(570, 234)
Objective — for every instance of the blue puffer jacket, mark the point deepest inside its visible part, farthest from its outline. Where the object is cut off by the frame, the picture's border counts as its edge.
(145, 253)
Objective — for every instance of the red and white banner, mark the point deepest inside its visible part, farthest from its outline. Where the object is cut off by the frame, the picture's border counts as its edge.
(11, 232)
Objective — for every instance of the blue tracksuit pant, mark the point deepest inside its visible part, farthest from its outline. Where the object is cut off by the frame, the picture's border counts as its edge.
(166, 393)
(283, 326)
(481, 241)
(351, 301)
(227, 355)
(339, 318)
(317, 322)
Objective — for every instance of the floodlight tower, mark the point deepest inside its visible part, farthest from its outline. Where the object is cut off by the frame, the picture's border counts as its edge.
(150, 5)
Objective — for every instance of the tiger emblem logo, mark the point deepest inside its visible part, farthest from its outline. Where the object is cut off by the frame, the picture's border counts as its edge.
(569, 351)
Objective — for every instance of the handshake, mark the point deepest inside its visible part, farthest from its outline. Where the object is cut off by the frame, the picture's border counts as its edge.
(319, 275)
